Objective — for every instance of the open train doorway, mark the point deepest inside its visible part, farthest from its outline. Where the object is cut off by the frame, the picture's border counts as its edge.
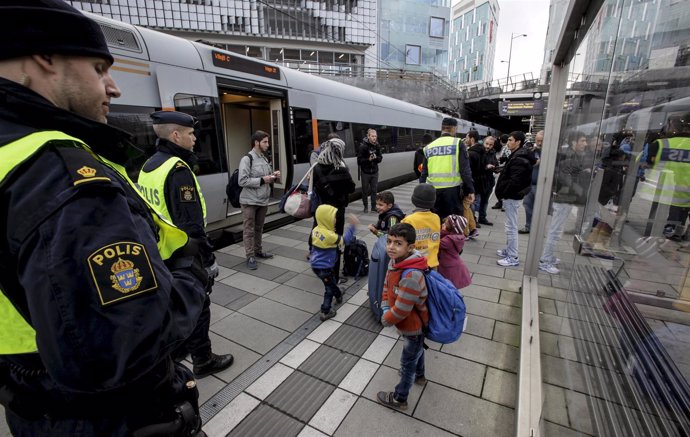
(245, 113)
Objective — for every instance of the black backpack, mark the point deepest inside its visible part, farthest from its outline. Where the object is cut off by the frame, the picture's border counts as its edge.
(356, 261)
(233, 189)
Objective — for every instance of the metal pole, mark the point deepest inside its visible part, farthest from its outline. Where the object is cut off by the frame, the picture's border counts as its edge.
(510, 54)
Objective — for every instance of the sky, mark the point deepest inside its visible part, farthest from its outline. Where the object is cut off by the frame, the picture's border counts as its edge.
(518, 17)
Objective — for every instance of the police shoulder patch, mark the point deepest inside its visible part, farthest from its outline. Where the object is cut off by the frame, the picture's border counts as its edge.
(121, 271)
(187, 193)
(82, 166)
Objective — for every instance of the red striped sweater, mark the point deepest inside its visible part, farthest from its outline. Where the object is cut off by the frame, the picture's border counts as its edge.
(404, 298)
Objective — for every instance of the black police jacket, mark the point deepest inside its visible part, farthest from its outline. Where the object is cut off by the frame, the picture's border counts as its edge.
(58, 250)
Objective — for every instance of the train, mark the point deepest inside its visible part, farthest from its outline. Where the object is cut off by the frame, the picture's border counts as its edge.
(233, 96)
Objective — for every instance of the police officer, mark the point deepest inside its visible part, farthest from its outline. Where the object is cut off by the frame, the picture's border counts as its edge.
(90, 311)
(169, 184)
(447, 167)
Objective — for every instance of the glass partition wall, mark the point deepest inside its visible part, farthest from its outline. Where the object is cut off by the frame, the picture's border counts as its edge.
(615, 302)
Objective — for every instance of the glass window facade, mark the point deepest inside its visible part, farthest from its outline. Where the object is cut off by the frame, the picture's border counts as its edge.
(615, 308)
(473, 41)
(410, 23)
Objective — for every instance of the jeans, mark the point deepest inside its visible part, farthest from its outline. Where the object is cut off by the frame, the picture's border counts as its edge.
(481, 203)
(511, 207)
(411, 365)
(369, 187)
(254, 217)
(561, 211)
(528, 203)
(331, 290)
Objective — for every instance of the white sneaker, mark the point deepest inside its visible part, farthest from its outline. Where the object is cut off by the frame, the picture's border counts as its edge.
(548, 268)
(508, 262)
(502, 253)
(555, 262)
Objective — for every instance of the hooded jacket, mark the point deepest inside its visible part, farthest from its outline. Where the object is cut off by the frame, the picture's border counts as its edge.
(389, 218)
(516, 178)
(404, 296)
(450, 265)
(325, 242)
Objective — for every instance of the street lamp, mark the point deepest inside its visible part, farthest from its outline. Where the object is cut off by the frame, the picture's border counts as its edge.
(510, 52)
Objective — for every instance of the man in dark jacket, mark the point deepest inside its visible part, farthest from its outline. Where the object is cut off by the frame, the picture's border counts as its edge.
(368, 158)
(528, 201)
(97, 290)
(513, 184)
(482, 163)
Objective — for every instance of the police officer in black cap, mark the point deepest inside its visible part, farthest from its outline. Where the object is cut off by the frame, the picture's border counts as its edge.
(96, 290)
(169, 184)
(447, 167)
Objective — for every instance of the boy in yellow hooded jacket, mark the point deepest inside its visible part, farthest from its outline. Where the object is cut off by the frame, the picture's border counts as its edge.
(324, 253)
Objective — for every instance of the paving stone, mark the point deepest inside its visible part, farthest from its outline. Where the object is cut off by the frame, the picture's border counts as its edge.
(445, 369)
(547, 306)
(480, 292)
(287, 233)
(479, 326)
(250, 283)
(579, 412)
(308, 431)
(500, 387)
(285, 277)
(379, 349)
(493, 270)
(308, 283)
(268, 382)
(299, 353)
(229, 261)
(328, 364)
(554, 407)
(492, 310)
(282, 241)
(295, 298)
(351, 339)
(243, 330)
(242, 301)
(386, 379)
(511, 299)
(359, 376)
(360, 298)
(276, 314)
(563, 373)
(333, 411)
(463, 414)
(267, 421)
(490, 281)
(264, 271)
(364, 318)
(507, 333)
(243, 356)
(560, 431)
(548, 343)
(369, 418)
(230, 416)
(218, 312)
(324, 331)
(515, 275)
(344, 311)
(224, 272)
(300, 396)
(292, 252)
(291, 264)
(223, 294)
(484, 351)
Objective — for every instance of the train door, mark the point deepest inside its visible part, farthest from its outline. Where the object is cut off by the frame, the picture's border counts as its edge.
(244, 112)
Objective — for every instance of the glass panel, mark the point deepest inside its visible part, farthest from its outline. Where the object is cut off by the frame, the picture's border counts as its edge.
(616, 324)
(211, 157)
(302, 134)
(436, 27)
(137, 121)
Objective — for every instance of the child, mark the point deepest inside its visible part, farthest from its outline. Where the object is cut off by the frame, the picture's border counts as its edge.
(427, 225)
(450, 264)
(404, 305)
(325, 244)
(389, 213)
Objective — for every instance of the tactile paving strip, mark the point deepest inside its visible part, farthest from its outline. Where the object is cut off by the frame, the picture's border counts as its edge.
(300, 396)
(364, 318)
(267, 421)
(329, 364)
(351, 339)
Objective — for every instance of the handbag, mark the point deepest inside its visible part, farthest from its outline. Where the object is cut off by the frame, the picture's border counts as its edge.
(298, 202)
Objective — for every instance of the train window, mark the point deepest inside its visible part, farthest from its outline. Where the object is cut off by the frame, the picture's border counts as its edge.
(302, 134)
(343, 130)
(211, 157)
(137, 121)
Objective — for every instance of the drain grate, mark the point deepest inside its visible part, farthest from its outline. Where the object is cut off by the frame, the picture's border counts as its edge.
(267, 421)
(329, 364)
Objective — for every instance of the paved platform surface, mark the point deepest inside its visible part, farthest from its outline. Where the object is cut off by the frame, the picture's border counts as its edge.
(296, 376)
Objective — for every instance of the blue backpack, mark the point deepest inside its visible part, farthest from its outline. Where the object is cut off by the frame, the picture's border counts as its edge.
(446, 309)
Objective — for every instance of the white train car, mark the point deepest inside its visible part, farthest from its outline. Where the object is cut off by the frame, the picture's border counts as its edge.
(233, 96)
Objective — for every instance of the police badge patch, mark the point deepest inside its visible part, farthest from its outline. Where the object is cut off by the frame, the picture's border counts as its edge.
(121, 271)
(187, 193)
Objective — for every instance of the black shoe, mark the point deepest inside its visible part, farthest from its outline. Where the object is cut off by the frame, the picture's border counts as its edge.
(498, 205)
(523, 231)
(211, 364)
(339, 299)
(342, 280)
(264, 255)
(485, 222)
(365, 210)
(328, 315)
(251, 263)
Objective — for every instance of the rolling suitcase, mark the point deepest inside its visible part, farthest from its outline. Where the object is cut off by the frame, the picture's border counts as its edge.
(377, 274)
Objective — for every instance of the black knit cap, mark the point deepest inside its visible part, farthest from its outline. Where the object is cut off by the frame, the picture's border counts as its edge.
(47, 27)
(424, 196)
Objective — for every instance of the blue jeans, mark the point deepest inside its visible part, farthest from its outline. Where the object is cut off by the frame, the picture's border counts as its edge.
(561, 211)
(528, 203)
(330, 283)
(411, 365)
(511, 207)
(481, 202)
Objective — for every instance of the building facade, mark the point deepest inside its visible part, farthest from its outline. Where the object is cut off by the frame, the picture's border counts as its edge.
(413, 35)
(557, 10)
(473, 41)
(292, 32)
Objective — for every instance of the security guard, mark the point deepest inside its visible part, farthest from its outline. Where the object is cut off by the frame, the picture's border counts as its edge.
(89, 310)
(447, 167)
(168, 183)
(670, 160)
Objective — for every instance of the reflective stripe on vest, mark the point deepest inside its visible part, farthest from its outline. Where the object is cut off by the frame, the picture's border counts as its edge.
(668, 181)
(17, 336)
(154, 182)
(442, 159)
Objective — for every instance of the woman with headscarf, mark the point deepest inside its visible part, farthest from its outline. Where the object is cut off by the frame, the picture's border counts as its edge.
(333, 182)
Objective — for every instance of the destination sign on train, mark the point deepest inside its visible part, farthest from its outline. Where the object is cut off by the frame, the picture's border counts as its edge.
(526, 107)
(235, 63)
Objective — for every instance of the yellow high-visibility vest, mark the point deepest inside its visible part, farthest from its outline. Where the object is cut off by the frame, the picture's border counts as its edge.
(442, 162)
(152, 187)
(427, 226)
(668, 181)
(17, 336)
